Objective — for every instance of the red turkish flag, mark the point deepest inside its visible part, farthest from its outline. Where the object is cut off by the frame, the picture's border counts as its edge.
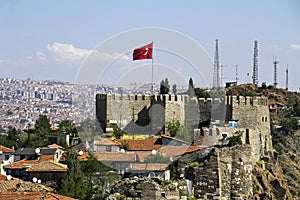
(144, 52)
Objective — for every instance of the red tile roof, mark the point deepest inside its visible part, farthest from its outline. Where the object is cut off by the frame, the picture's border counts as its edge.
(148, 144)
(176, 151)
(55, 146)
(32, 196)
(108, 142)
(84, 157)
(3, 177)
(48, 166)
(142, 154)
(19, 185)
(21, 164)
(6, 149)
(116, 156)
(43, 158)
(148, 167)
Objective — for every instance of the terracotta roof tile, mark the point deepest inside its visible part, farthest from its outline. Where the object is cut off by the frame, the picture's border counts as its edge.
(48, 166)
(148, 144)
(142, 154)
(19, 185)
(108, 142)
(3, 177)
(176, 151)
(55, 146)
(33, 196)
(43, 158)
(116, 156)
(148, 167)
(84, 157)
(6, 149)
(21, 164)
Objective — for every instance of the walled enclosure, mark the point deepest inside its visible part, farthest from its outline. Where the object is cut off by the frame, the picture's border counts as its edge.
(133, 112)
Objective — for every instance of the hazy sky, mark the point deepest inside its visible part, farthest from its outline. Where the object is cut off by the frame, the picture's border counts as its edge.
(52, 39)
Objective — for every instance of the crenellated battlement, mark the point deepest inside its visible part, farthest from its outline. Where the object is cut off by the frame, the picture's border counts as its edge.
(233, 101)
(207, 136)
(241, 100)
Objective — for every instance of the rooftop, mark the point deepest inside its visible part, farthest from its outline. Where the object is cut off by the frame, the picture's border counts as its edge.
(116, 156)
(6, 149)
(48, 166)
(148, 167)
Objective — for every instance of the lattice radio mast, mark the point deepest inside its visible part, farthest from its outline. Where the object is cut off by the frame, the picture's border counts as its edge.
(275, 62)
(216, 78)
(255, 64)
(287, 78)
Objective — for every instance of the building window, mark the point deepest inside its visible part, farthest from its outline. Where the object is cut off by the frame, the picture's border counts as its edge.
(6, 157)
(108, 148)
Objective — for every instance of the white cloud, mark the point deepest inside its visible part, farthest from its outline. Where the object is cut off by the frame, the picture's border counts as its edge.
(295, 46)
(68, 52)
(40, 56)
(277, 47)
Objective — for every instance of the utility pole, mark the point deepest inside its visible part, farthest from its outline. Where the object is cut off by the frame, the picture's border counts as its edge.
(255, 64)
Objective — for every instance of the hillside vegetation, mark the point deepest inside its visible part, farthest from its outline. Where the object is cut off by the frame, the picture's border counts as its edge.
(278, 176)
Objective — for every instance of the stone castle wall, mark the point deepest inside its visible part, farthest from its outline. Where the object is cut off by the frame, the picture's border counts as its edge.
(251, 114)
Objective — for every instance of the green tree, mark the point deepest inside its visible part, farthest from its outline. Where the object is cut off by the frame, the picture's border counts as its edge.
(74, 185)
(67, 127)
(200, 93)
(235, 139)
(174, 89)
(289, 125)
(173, 127)
(156, 158)
(164, 86)
(118, 133)
(185, 133)
(88, 179)
(43, 123)
(191, 86)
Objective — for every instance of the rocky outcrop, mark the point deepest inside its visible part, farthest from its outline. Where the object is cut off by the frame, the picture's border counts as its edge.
(145, 189)
(268, 180)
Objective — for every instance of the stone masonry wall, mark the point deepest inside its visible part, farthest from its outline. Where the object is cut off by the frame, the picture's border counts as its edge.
(235, 165)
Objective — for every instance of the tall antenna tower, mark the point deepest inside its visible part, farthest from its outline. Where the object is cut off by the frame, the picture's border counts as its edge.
(275, 62)
(236, 74)
(287, 78)
(216, 78)
(255, 64)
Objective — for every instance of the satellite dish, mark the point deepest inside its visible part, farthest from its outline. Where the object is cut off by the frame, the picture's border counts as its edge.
(9, 177)
(151, 175)
(80, 153)
(39, 181)
(37, 150)
(34, 179)
(153, 152)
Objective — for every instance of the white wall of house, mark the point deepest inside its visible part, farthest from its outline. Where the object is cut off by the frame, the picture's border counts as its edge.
(7, 158)
(106, 148)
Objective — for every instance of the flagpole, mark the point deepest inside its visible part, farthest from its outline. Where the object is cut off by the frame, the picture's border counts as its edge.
(152, 92)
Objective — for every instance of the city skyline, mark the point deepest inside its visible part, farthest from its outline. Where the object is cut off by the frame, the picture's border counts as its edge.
(51, 40)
